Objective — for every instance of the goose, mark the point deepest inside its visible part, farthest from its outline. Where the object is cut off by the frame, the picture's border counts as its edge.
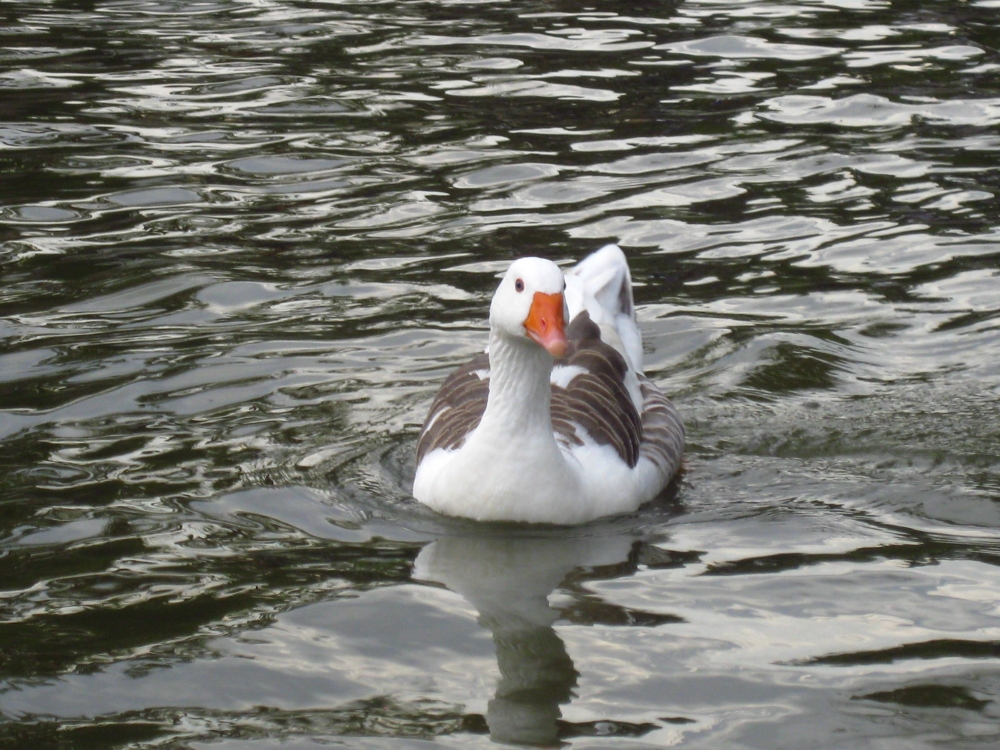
(556, 422)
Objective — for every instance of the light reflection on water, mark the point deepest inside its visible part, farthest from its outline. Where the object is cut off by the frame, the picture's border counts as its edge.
(241, 243)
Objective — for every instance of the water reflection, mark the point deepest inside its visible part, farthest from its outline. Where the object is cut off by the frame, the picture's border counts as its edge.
(509, 580)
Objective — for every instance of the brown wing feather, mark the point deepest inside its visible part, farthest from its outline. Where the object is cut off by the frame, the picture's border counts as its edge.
(597, 400)
(662, 429)
(457, 408)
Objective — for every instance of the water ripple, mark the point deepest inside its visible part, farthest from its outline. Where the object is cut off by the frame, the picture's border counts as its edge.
(242, 242)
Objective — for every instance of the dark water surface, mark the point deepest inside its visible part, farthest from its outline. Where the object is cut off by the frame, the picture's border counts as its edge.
(242, 241)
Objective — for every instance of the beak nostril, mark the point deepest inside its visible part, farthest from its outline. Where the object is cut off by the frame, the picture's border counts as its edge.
(545, 324)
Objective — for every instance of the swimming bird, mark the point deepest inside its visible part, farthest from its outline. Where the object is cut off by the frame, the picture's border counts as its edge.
(556, 422)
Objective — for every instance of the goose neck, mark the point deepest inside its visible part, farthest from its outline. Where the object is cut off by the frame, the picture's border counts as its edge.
(520, 391)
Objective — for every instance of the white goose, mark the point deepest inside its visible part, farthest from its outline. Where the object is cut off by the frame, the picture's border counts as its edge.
(556, 424)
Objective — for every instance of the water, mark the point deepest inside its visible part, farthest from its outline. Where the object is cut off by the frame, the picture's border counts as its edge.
(241, 242)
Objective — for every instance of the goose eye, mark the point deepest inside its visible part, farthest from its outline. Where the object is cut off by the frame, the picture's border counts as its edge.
(519, 286)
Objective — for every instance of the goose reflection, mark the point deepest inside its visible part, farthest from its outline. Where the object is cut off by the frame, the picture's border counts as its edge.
(508, 580)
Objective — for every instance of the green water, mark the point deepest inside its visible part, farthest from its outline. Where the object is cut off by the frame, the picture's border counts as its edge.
(242, 242)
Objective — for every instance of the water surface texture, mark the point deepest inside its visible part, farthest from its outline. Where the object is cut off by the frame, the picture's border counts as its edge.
(242, 242)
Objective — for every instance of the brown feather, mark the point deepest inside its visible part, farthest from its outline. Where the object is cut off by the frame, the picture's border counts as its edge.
(596, 400)
(457, 408)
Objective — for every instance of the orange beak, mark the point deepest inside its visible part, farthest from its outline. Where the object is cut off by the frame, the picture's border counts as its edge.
(545, 324)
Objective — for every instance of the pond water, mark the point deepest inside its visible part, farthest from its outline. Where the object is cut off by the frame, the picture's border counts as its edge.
(243, 241)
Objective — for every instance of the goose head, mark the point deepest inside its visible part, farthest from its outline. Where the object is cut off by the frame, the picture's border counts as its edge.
(529, 304)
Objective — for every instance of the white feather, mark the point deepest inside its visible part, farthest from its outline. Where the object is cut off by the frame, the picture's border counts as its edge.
(599, 284)
(562, 375)
(511, 467)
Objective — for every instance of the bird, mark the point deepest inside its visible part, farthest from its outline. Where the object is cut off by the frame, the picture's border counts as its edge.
(555, 422)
